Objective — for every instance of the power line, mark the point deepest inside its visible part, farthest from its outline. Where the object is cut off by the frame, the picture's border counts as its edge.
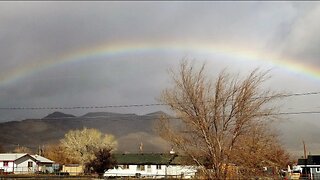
(128, 105)
(300, 94)
(298, 113)
(82, 107)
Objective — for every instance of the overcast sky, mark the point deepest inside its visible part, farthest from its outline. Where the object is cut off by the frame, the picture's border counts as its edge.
(36, 33)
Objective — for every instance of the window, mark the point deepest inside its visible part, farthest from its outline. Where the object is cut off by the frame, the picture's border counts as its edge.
(158, 166)
(140, 167)
(149, 170)
(30, 164)
(5, 163)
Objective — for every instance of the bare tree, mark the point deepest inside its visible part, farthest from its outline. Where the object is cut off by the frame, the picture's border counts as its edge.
(215, 117)
(22, 149)
(257, 150)
(82, 144)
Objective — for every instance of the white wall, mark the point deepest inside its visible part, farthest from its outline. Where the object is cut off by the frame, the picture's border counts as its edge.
(182, 171)
(152, 171)
(8, 168)
(21, 165)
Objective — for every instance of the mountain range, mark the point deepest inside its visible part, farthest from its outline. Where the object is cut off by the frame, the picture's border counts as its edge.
(130, 130)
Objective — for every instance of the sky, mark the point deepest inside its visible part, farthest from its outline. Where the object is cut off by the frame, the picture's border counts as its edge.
(69, 54)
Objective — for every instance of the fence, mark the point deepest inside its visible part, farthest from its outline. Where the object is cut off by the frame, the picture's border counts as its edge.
(18, 170)
(26, 170)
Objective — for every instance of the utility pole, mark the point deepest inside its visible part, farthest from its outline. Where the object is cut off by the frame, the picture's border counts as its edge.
(141, 148)
(305, 171)
(304, 149)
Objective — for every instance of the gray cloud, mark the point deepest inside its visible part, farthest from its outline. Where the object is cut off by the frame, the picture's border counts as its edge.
(298, 39)
(32, 32)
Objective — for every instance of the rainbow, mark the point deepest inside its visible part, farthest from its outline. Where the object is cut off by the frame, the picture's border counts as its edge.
(107, 50)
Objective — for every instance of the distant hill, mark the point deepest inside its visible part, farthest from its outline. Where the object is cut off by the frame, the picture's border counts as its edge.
(105, 114)
(129, 129)
(57, 115)
(157, 114)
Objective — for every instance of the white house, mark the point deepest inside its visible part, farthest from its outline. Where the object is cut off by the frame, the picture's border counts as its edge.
(151, 166)
(23, 163)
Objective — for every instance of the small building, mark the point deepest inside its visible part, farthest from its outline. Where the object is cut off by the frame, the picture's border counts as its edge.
(310, 167)
(72, 169)
(23, 163)
(150, 166)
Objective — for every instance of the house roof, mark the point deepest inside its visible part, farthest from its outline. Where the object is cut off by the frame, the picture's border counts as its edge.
(11, 156)
(15, 156)
(41, 159)
(302, 161)
(155, 159)
(314, 159)
(311, 160)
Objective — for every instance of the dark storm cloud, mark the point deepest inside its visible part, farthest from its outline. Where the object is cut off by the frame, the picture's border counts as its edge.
(37, 31)
(107, 82)
(68, 25)
(297, 37)
(45, 29)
